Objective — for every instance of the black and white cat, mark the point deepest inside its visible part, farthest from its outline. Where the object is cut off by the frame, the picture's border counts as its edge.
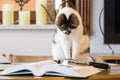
(68, 41)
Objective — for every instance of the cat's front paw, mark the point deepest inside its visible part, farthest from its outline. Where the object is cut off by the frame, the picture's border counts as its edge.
(65, 62)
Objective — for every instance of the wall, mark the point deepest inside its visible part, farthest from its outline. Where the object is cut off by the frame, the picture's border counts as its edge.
(97, 41)
(26, 42)
(29, 6)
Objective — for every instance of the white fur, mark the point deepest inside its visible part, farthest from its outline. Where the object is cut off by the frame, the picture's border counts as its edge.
(76, 40)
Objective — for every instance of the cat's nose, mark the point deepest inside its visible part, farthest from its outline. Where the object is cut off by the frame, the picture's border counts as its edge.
(68, 32)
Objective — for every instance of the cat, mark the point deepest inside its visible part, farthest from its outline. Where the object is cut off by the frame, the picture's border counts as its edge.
(69, 41)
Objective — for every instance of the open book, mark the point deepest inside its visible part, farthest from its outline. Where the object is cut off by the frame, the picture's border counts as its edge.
(50, 67)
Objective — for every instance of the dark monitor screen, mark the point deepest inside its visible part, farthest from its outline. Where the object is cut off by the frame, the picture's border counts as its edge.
(117, 16)
(112, 21)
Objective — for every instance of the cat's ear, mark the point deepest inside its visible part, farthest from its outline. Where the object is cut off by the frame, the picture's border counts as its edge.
(61, 20)
(74, 22)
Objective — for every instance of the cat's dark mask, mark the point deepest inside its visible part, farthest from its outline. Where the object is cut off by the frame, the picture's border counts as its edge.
(66, 25)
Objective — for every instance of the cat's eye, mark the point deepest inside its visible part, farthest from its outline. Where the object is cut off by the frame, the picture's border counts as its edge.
(61, 20)
(73, 26)
(62, 27)
(74, 22)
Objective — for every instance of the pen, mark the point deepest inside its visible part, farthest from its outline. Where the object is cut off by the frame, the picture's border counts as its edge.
(95, 64)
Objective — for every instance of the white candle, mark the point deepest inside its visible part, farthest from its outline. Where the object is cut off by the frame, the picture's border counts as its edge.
(24, 17)
(8, 14)
(41, 15)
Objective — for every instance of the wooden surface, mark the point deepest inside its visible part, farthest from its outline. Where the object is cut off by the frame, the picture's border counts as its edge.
(26, 59)
(20, 58)
(113, 74)
(103, 58)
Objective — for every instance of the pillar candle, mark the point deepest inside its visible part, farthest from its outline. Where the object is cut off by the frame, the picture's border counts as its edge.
(24, 17)
(41, 15)
(7, 14)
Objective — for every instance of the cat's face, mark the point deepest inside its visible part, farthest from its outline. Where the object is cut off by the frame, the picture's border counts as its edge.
(66, 25)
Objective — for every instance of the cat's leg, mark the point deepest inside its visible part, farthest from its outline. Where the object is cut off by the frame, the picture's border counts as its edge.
(75, 49)
(79, 48)
(85, 43)
(78, 54)
(57, 52)
(66, 46)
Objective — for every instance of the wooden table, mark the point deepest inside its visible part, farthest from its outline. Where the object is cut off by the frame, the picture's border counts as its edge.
(113, 74)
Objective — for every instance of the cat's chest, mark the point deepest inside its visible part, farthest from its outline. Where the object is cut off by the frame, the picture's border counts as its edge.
(68, 38)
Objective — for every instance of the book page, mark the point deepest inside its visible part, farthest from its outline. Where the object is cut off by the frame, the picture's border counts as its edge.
(69, 71)
(52, 68)
(30, 66)
(56, 68)
(40, 64)
(87, 71)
